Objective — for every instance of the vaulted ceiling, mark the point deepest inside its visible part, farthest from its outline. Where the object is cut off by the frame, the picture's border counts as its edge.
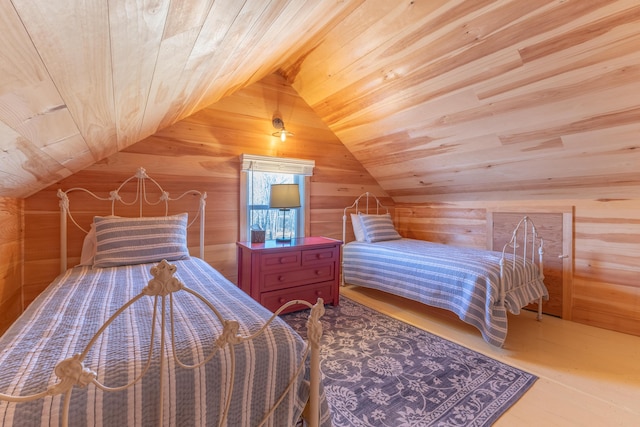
(437, 99)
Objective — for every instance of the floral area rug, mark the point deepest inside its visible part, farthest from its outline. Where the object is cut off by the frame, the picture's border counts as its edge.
(378, 371)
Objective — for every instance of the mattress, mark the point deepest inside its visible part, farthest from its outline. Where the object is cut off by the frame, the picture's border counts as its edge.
(63, 319)
(463, 280)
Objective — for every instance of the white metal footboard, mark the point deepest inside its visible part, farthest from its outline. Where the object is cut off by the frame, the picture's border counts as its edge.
(163, 285)
(531, 244)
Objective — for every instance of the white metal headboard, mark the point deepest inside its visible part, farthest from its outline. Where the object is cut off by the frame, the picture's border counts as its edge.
(369, 202)
(141, 198)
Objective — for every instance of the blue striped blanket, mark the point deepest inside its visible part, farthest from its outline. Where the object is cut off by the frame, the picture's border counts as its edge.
(61, 321)
(462, 280)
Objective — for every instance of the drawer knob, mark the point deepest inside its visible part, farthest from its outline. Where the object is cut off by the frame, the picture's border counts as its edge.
(281, 278)
(281, 300)
(318, 293)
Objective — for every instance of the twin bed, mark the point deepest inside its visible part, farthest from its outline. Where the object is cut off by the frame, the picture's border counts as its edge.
(141, 333)
(480, 286)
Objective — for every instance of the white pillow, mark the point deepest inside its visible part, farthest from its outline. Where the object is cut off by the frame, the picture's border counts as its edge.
(357, 228)
(89, 247)
(125, 241)
(378, 228)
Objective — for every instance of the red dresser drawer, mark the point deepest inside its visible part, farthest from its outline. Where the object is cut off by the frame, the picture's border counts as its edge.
(310, 293)
(306, 268)
(315, 256)
(287, 278)
(279, 261)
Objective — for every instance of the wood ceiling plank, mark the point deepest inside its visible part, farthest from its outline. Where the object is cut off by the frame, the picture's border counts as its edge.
(12, 173)
(286, 27)
(71, 152)
(340, 64)
(454, 50)
(266, 31)
(606, 187)
(321, 35)
(253, 21)
(526, 113)
(619, 78)
(612, 152)
(423, 95)
(135, 31)
(616, 43)
(32, 107)
(411, 120)
(207, 53)
(184, 25)
(186, 17)
(76, 55)
(20, 64)
(281, 27)
(591, 80)
(421, 42)
(584, 29)
(551, 173)
(25, 166)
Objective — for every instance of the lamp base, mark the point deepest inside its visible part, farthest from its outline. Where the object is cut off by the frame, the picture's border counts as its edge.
(283, 240)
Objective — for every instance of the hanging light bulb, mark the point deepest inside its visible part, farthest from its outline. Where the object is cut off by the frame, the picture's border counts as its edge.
(282, 132)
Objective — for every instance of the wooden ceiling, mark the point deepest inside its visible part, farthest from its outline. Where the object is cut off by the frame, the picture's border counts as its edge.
(438, 99)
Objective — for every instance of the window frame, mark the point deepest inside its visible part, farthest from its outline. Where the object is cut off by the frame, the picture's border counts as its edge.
(301, 167)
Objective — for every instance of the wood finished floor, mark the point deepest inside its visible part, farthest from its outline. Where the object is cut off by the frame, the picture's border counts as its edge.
(587, 376)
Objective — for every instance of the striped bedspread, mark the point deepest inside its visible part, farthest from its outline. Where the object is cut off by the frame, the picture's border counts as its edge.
(464, 281)
(64, 318)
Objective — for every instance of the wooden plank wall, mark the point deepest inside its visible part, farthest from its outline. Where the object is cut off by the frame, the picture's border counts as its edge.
(202, 152)
(605, 287)
(11, 238)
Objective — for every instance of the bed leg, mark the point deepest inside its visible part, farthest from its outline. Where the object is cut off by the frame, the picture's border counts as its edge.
(539, 317)
(314, 335)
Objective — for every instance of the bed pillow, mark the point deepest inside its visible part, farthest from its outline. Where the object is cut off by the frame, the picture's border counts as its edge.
(89, 247)
(125, 241)
(357, 228)
(378, 228)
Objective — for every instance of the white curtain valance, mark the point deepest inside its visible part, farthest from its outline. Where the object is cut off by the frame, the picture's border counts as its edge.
(277, 164)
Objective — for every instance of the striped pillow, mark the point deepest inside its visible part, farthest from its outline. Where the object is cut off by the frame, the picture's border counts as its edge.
(125, 241)
(378, 228)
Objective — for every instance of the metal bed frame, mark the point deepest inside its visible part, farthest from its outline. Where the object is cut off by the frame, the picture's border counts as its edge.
(370, 204)
(71, 372)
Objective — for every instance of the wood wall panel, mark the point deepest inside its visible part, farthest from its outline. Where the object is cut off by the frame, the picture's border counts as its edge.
(448, 225)
(11, 241)
(203, 152)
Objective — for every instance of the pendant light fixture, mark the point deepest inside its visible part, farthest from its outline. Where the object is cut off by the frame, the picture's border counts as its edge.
(282, 133)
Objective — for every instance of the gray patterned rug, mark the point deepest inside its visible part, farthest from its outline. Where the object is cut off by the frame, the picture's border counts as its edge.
(378, 371)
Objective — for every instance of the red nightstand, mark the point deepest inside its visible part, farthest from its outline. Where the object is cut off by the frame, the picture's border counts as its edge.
(306, 268)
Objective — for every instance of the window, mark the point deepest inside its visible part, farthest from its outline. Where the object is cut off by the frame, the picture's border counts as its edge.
(274, 222)
(257, 176)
